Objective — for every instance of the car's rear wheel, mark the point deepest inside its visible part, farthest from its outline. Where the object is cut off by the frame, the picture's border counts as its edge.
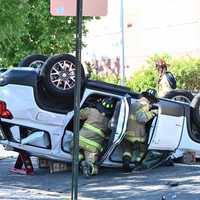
(180, 95)
(196, 110)
(34, 61)
(58, 75)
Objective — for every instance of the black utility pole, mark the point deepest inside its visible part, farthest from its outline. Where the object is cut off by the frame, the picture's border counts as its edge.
(76, 125)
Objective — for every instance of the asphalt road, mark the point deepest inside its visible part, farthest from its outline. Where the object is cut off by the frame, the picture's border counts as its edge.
(181, 182)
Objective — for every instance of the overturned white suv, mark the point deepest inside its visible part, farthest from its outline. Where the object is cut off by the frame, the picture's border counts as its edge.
(36, 112)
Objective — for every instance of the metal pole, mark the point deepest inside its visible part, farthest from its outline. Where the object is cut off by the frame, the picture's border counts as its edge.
(76, 122)
(122, 65)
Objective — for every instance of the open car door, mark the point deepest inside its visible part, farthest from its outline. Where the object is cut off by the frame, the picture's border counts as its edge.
(118, 125)
(167, 127)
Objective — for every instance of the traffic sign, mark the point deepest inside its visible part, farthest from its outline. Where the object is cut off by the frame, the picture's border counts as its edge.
(68, 7)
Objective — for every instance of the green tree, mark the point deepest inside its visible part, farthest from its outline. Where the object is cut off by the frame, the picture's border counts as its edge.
(26, 27)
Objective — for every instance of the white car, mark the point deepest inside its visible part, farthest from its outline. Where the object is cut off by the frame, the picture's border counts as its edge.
(36, 111)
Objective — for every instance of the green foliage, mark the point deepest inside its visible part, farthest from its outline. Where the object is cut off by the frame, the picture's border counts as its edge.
(143, 78)
(146, 77)
(26, 27)
(109, 79)
(151, 60)
(12, 15)
(185, 69)
(187, 72)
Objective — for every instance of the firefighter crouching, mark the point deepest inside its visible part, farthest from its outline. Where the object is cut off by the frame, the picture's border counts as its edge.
(135, 136)
(93, 134)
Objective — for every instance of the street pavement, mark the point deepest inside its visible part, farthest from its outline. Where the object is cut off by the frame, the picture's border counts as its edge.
(181, 182)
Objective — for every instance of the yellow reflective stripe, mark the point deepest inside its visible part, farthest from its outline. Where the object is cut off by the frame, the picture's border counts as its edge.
(127, 154)
(132, 117)
(87, 147)
(135, 139)
(143, 109)
(149, 115)
(107, 105)
(96, 130)
(89, 144)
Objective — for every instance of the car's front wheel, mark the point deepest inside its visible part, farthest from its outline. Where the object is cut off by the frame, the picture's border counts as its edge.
(58, 75)
(180, 95)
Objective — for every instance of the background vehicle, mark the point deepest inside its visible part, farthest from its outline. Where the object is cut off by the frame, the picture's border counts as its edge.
(36, 110)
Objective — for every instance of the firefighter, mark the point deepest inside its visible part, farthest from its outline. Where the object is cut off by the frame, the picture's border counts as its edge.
(135, 136)
(166, 81)
(93, 134)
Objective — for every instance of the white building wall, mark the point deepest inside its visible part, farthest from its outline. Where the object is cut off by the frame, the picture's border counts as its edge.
(171, 26)
(103, 38)
(151, 26)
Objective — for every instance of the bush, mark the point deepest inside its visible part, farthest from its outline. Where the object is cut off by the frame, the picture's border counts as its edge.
(109, 79)
(186, 70)
(143, 78)
(147, 77)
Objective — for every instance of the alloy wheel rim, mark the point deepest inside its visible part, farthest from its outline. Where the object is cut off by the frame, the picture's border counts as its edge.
(62, 75)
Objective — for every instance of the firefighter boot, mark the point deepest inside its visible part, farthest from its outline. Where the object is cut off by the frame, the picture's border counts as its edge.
(88, 169)
(126, 163)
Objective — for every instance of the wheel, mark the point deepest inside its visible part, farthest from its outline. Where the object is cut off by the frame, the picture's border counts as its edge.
(180, 95)
(35, 61)
(196, 110)
(58, 75)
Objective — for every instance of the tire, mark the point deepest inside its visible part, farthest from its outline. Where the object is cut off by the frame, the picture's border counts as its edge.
(180, 95)
(35, 61)
(196, 110)
(57, 80)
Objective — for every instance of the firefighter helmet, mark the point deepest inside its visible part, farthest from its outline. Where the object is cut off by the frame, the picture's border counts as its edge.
(151, 95)
(106, 105)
